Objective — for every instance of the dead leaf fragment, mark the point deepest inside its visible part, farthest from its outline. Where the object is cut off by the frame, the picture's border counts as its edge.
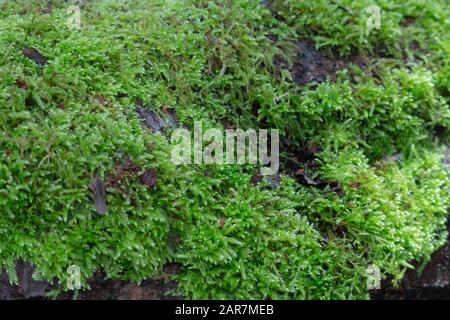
(130, 167)
(150, 119)
(34, 55)
(227, 124)
(21, 83)
(355, 184)
(308, 179)
(171, 120)
(149, 177)
(154, 121)
(255, 179)
(99, 194)
(221, 222)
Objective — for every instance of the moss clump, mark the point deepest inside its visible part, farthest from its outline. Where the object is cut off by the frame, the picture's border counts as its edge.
(73, 118)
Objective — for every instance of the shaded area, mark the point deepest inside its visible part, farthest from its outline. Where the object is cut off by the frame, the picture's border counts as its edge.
(106, 289)
(432, 283)
(311, 65)
(158, 288)
(26, 288)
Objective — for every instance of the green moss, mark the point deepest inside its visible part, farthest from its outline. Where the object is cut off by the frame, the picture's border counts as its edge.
(75, 118)
(342, 24)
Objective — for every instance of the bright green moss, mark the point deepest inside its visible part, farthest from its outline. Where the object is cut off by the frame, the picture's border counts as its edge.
(342, 24)
(395, 212)
(209, 60)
